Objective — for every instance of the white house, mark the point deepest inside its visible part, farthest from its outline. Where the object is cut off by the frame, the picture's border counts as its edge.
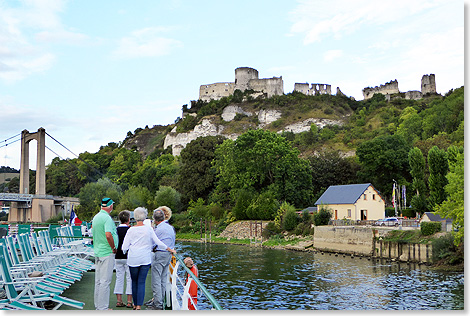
(353, 201)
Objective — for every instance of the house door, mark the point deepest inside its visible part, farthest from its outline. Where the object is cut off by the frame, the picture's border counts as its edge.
(336, 214)
(363, 215)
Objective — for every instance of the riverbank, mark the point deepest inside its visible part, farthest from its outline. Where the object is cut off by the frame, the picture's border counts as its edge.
(370, 242)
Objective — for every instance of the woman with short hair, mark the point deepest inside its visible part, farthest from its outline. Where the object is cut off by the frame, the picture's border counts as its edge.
(138, 243)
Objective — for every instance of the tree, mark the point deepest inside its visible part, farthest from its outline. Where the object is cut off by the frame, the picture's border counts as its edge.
(331, 168)
(384, 159)
(438, 168)
(196, 177)
(135, 197)
(154, 170)
(263, 161)
(453, 206)
(92, 193)
(417, 167)
(169, 197)
(410, 125)
(124, 165)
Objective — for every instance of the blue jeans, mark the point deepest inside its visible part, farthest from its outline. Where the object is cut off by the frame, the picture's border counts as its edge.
(138, 276)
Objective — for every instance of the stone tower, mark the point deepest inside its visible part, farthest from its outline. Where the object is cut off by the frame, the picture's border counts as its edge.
(243, 75)
(26, 137)
(428, 84)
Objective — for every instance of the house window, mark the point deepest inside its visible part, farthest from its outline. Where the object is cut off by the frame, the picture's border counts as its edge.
(349, 212)
(373, 197)
(365, 196)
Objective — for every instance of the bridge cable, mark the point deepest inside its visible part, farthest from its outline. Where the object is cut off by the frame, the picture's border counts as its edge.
(11, 137)
(67, 161)
(10, 143)
(99, 172)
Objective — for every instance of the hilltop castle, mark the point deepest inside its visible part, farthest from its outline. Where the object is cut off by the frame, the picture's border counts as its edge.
(247, 78)
(428, 85)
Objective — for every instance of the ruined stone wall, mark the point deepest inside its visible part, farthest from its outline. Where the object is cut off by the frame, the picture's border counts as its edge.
(388, 88)
(302, 88)
(413, 95)
(315, 89)
(270, 86)
(428, 84)
(216, 91)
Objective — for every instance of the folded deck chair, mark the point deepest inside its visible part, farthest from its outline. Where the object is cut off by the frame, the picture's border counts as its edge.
(48, 263)
(53, 282)
(29, 291)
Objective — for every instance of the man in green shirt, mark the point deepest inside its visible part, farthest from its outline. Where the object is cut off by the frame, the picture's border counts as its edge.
(105, 241)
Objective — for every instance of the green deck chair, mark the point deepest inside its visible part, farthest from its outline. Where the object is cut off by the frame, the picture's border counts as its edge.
(30, 293)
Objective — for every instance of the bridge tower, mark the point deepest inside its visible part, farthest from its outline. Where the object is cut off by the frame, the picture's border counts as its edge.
(40, 137)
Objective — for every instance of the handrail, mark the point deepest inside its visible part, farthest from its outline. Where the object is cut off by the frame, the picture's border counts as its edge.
(199, 283)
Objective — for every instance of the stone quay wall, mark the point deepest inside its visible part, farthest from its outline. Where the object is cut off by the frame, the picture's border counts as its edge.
(360, 241)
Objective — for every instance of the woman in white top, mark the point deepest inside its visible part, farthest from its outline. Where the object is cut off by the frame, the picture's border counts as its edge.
(138, 243)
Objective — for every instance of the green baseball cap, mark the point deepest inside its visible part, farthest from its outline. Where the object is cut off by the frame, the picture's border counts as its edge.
(106, 202)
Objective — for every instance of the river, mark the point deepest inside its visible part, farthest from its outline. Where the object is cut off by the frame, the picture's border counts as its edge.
(255, 278)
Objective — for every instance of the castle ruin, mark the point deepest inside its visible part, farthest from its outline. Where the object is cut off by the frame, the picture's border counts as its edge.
(428, 86)
(315, 89)
(246, 78)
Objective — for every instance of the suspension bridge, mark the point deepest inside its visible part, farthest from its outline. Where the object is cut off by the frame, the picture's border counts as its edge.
(26, 206)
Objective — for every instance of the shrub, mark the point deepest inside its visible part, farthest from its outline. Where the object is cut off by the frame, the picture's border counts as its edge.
(243, 202)
(270, 230)
(304, 229)
(322, 217)
(443, 247)
(285, 206)
(290, 220)
(430, 228)
(216, 211)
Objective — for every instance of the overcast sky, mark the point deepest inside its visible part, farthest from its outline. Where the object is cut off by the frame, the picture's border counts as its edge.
(90, 71)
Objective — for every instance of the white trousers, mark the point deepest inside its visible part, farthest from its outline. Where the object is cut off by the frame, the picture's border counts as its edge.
(104, 267)
(122, 272)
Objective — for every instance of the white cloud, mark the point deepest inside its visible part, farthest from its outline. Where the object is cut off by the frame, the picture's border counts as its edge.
(20, 67)
(337, 18)
(23, 30)
(146, 43)
(61, 36)
(332, 55)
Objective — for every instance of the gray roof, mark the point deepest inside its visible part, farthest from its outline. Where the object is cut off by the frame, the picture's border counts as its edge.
(310, 209)
(436, 217)
(343, 194)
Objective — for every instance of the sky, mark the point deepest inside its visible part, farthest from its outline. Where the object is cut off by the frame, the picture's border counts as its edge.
(91, 71)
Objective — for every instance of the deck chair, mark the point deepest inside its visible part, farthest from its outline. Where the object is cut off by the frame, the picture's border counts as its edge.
(55, 274)
(50, 264)
(16, 305)
(31, 266)
(77, 247)
(52, 233)
(30, 292)
(45, 282)
(64, 253)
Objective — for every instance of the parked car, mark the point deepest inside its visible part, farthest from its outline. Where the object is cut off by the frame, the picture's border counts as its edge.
(389, 221)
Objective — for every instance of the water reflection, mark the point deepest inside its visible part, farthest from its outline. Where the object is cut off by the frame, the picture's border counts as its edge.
(242, 277)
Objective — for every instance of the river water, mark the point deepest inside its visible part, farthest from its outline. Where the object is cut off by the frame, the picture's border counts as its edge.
(255, 278)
